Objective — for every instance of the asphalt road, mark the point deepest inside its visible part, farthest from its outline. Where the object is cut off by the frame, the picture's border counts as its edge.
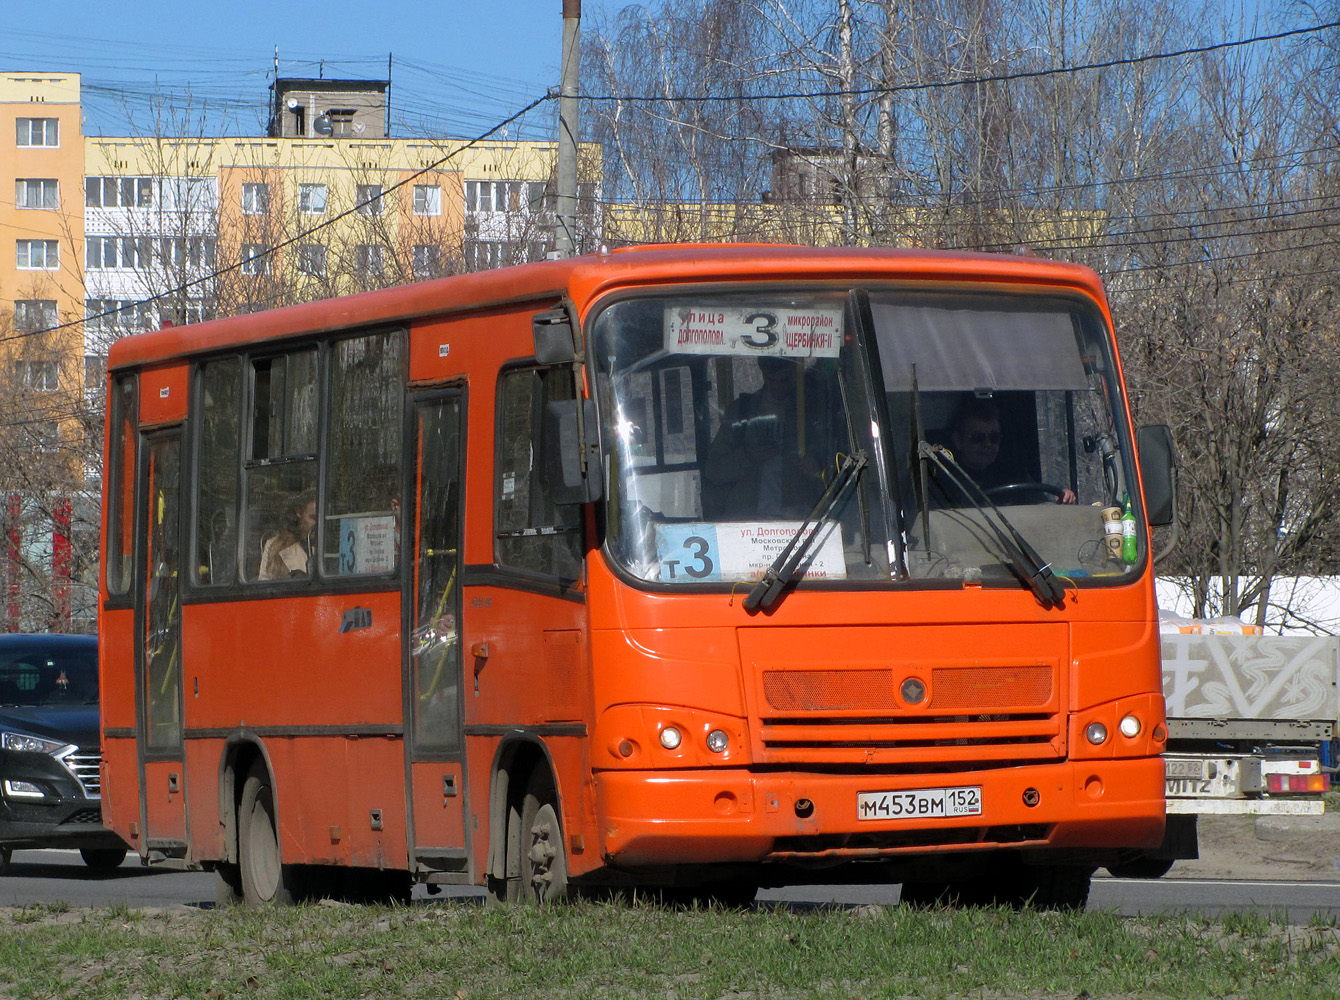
(61, 877)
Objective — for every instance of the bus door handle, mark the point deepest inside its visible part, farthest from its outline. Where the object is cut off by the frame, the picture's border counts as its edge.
(480, 651)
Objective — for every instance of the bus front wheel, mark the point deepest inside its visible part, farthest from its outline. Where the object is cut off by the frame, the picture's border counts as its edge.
(544, 860)
(265, 879)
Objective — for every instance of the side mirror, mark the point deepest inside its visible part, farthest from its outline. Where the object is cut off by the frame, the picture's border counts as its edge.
(1158, 471)
(568, 478)
(555, 333)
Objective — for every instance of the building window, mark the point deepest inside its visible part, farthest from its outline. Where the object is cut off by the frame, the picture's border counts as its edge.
(255, 258)
(368, 260)
(369, 199)
(427, 260)
(312, 259)
(480, 255)
(39, 376)
(34, 314)
(497, 196)
(36, 193)
(100, 252)
(117, 315)
(540, 197)
(118, 192)
(38, 132)
(37, 255)
(427, 199)
(255, 199)
(312, 199)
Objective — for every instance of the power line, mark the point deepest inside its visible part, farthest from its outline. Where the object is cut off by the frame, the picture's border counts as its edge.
(967, 81)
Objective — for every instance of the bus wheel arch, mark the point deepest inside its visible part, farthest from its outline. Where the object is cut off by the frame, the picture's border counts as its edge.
(523, 772)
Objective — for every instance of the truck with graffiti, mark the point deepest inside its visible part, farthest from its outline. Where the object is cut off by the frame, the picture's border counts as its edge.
(1252, 721)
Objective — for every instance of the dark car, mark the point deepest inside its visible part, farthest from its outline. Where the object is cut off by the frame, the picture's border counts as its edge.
(49, 749)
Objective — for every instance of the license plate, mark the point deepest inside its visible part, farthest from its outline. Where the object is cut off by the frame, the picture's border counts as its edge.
(1185, 768)
(920, 803)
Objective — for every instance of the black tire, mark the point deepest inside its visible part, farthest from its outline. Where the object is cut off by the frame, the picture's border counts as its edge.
(103, 859)
(227, 885)
(1141, 868)
(264, 877)
(543, 853)
(6, 856)
(1055, 887)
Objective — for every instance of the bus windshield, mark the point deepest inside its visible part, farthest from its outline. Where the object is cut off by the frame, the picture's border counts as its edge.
(985, 417)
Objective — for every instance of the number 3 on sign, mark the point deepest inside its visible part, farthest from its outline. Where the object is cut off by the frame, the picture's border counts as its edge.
(688, 553)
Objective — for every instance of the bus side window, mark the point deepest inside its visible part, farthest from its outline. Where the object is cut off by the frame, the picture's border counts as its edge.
(363, 455)
(533, 534)
(217, 452)
(121, 484)
(281, 467)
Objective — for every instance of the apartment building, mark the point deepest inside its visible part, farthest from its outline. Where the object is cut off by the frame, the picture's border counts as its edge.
(125, 233)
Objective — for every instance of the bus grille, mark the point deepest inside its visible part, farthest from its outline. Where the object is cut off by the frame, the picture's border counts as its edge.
(971, 713)
(86, 765)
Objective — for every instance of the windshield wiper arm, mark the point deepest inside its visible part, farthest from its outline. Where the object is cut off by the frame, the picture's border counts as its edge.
(783, 569)
(1023, 558)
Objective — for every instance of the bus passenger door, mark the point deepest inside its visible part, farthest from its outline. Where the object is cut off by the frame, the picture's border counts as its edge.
(159, 668)
(434, 745)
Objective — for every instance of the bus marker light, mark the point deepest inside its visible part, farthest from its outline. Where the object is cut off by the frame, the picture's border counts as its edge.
(671, 738)
(1159, 734)
(1096, 733)
(718, 741)
(626, 748)
(1130, 727)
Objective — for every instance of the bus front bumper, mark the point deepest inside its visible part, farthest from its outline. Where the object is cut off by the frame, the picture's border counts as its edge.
(736, 816)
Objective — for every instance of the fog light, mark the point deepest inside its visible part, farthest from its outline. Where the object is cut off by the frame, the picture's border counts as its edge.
(1096, 733)
(22, 790)
(717, 741)
(671, 738)
(1130, 727)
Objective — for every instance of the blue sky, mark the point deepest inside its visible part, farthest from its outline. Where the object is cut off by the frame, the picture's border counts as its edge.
(459, 67)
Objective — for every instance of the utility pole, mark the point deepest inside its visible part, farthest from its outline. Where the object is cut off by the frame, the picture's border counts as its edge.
(565, 238)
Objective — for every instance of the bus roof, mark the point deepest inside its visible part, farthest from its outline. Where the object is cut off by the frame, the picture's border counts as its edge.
(584, 278)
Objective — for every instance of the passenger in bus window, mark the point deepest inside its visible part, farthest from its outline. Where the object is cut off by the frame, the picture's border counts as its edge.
(285, 552)
(759, 464)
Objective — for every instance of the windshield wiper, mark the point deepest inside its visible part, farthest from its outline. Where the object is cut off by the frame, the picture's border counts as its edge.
(1023, 558)
(783, 569)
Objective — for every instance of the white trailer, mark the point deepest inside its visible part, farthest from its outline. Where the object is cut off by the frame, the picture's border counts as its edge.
(1247, 717)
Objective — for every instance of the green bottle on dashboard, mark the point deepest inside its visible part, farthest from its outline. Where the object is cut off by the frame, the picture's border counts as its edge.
(1128, 548)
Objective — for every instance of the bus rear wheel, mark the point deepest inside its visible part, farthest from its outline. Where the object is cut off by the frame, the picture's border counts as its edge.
(544, 861)
(265, 879)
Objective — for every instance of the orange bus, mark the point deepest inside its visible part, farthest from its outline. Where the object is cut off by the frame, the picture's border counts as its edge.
(703, 568)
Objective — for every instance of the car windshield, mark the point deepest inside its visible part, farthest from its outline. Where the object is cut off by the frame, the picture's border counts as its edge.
(726, 414)
(35, 674)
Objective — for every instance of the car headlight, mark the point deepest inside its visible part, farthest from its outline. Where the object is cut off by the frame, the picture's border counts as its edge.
(31, 744)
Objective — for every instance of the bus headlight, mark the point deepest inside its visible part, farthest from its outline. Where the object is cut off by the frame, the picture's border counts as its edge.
(1130, 727)
(1096, 733)
(718, 740)
(671, 738)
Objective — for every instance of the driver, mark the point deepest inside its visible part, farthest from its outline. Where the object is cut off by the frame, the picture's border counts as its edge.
(974, 438)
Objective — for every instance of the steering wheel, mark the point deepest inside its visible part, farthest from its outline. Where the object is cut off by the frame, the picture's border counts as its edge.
(1007, 490)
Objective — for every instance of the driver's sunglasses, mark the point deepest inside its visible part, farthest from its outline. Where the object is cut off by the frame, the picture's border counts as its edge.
(983, 437)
